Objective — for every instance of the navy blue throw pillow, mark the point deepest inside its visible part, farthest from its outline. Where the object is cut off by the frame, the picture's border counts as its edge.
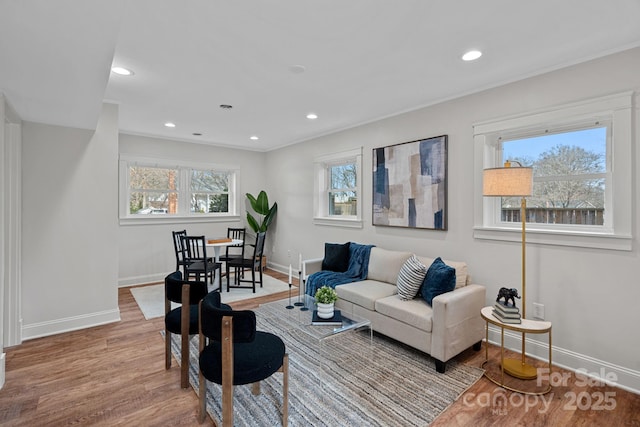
(440, 278)
(336, 257)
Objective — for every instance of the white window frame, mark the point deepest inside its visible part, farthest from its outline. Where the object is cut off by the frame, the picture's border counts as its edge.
(614, 110)
(322, 187)
(184, 191)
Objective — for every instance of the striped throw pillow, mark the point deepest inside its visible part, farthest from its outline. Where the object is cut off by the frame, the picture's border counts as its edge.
(410, 278)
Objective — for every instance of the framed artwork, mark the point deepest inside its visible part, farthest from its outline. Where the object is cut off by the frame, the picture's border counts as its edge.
(410, 184)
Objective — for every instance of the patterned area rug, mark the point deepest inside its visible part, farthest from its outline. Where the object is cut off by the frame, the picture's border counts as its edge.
(342, 381)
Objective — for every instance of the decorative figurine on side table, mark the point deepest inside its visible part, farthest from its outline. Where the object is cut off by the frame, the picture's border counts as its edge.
(508, 294)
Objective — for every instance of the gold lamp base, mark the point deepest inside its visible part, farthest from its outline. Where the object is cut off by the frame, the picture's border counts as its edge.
(517, 368)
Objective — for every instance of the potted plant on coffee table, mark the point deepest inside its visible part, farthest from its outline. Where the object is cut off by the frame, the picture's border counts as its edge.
(325, 299)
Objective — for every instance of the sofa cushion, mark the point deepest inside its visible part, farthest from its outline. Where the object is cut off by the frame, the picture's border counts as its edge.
(336, 257)
(440, 278)
(385, 265)
(410, 278)
(462, 273)
(415, 312)
(365, 293)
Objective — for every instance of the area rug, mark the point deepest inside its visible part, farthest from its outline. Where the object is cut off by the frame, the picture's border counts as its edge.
(343, 381)
(150, 298)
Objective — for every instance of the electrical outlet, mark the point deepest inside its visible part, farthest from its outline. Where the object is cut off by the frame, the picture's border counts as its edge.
(538, 311)
(289, 254)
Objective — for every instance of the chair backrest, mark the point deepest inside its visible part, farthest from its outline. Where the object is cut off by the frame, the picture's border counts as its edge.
(173, 284)
(258, 249)
(194, 248)
(211, 314)
(236, 233)
(177, 246)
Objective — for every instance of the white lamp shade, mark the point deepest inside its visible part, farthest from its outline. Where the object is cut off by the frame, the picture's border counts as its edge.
(507, 182)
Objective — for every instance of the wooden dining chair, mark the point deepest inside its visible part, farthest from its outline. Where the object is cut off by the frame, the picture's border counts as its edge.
(197, 263)
(234, 251)
(254, 262)
(177, 246)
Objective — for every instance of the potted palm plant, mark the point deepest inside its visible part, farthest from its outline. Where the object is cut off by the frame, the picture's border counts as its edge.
(325, 299)
(266, 213)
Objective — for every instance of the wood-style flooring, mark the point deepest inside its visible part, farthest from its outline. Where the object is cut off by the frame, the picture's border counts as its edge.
(114, 375)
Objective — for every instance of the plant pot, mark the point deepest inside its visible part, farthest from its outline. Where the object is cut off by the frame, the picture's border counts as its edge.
(325, 311)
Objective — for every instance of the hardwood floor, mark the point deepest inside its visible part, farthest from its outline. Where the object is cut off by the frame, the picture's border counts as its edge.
(114, 375)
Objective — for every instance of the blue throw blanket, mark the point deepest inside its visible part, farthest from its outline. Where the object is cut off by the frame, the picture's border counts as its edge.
(357, 270)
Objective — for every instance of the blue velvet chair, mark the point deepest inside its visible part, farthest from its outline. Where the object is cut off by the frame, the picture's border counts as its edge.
(179, 321)
(233, 352)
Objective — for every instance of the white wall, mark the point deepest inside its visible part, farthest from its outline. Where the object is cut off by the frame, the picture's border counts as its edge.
(589, 295)
(10, 230)
(146, 250)
(69, 248)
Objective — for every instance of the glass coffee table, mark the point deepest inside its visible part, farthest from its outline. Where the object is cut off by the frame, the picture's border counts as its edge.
(302, 319)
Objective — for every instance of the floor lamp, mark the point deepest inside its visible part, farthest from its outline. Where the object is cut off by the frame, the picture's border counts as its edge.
(513, 182)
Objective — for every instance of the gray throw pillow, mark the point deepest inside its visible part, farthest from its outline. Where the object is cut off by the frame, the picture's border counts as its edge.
(410, 278)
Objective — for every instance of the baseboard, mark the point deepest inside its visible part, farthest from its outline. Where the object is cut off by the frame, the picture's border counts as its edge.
(58, 326)
(284, 269)
(140, 280)
(2, 369)
(585, 366)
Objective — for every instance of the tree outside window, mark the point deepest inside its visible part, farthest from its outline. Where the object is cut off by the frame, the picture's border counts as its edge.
(342, 192)
(209, 191)
(152, 190)
(569, 170)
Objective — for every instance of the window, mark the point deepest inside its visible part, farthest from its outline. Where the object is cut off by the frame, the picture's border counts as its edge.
(338, 189)
(152, 189)
(569, 176)
(343, 194)
(209, 191)
(581, 159)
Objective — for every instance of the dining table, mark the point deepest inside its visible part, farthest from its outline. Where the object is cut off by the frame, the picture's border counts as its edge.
(217, 244)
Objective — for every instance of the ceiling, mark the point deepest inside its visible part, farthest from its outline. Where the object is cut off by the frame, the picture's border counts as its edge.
(349, 62)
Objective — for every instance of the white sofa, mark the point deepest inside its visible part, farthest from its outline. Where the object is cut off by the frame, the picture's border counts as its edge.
(450, 326)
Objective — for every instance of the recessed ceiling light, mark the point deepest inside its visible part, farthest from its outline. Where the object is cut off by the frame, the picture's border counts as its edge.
(196, 134)
(312, 116)
(254, 138)
(170, 125)
(297, 69)
(122, 71)
(226, 106)
(472, 55)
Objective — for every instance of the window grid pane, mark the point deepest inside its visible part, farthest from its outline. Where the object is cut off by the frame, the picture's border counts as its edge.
(569, 177)
(209, 203)
(343, 203)
(342, 195)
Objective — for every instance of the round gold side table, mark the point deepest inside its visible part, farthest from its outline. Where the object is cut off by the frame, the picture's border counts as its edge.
(517, 368)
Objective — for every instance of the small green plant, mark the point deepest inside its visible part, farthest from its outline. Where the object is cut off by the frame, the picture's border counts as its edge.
(326, 295)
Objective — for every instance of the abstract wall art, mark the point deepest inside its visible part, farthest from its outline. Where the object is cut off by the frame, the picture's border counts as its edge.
(410, 184)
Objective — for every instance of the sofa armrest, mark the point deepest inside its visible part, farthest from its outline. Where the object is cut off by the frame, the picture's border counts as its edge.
(457, 324)
(310, 266)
